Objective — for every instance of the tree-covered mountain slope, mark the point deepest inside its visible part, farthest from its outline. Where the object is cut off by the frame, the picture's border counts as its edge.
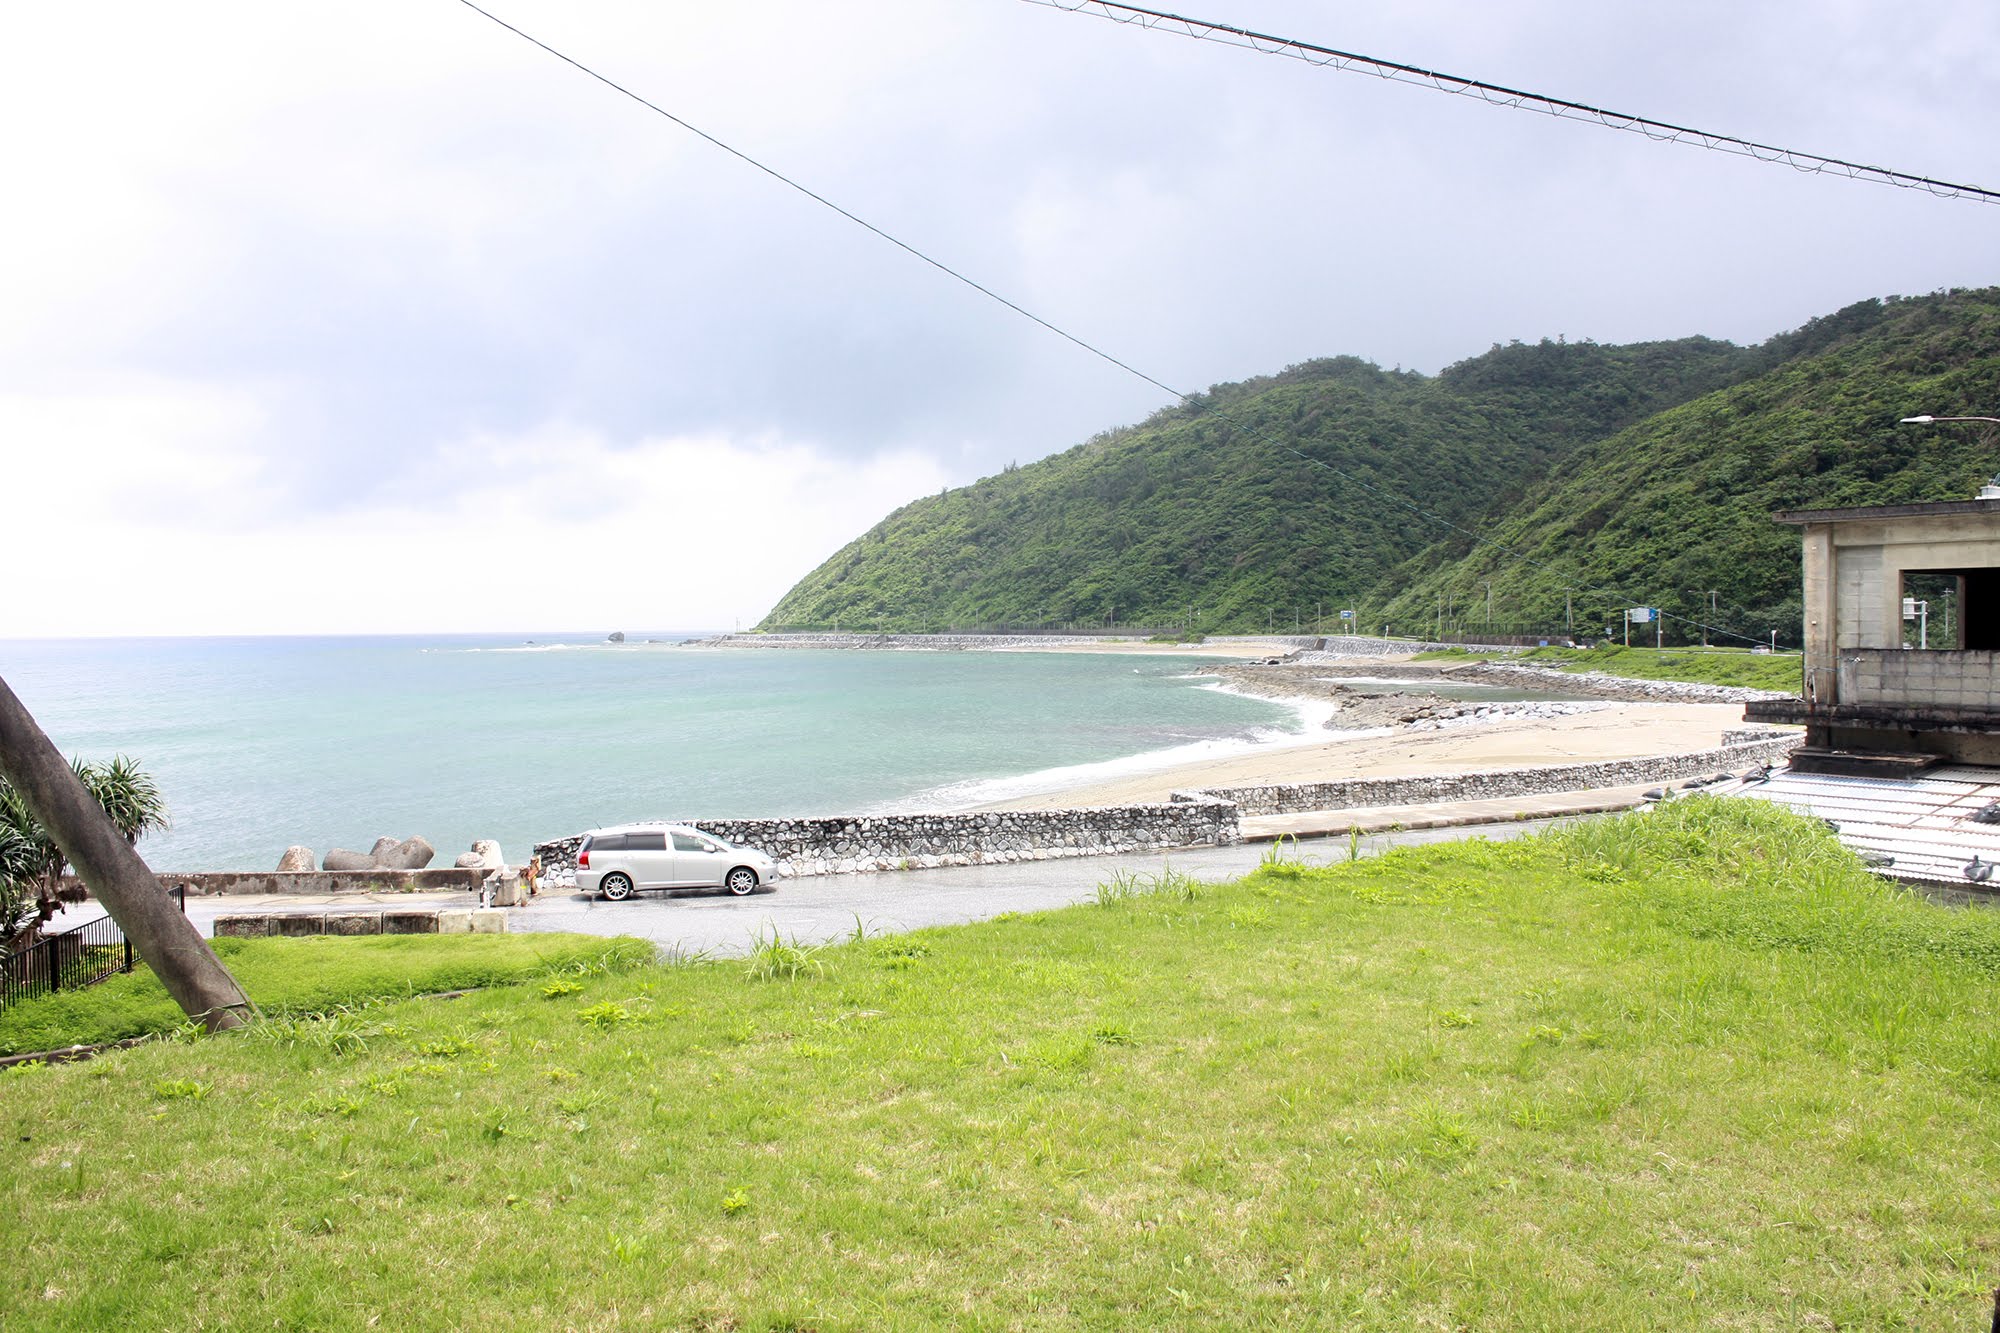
(1675, 510)
(1339, 484)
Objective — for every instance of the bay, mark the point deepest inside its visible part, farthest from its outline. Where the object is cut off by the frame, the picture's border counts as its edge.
(259, 743)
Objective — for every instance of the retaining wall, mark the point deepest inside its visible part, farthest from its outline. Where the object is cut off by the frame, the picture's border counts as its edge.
(316, 883)
(843, 844)
(1299, 798)
(431, 921)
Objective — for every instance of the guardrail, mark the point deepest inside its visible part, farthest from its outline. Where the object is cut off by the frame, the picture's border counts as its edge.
(68, 960)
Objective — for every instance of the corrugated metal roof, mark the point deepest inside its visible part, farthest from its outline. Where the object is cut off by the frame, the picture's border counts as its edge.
(1923, 822)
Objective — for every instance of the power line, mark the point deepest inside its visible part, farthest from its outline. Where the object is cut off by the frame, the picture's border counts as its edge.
(1494, 94)
(1190, 399)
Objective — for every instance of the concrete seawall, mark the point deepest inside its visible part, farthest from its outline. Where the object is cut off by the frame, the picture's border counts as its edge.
(845, 844)
(1302, 797)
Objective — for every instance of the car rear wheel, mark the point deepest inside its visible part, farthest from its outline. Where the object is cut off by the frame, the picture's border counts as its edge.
(616, 887)
(740, 881)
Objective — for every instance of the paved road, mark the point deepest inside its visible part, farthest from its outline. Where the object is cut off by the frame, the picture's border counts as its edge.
(825, 907)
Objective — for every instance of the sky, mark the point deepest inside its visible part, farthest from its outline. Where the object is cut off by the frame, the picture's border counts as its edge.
(371, 317)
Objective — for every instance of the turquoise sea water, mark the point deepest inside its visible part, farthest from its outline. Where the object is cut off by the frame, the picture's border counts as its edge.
(261, 743)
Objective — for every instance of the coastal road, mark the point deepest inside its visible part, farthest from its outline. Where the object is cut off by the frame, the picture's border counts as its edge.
(819, 908)
(826, 907)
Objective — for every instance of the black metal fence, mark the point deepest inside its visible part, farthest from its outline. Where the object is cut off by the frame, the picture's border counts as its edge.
(67, 960)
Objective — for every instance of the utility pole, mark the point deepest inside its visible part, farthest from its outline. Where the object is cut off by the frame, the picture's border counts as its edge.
(1489, 600)
(1569, 618)
(159, 931)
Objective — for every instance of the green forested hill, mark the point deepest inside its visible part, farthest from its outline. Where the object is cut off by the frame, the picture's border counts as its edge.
(1649, 469)
(1678, 505)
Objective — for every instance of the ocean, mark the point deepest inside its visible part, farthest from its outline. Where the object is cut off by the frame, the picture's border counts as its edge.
(259, 743)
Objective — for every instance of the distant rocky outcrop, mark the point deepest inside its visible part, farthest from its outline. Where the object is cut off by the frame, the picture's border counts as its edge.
(617, 636)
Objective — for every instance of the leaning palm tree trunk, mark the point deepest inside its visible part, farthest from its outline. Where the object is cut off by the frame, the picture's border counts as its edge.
(92, 840)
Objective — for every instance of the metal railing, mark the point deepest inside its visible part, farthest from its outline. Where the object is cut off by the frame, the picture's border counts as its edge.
(69, 959)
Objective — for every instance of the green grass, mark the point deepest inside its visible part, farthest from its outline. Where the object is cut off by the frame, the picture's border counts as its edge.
(1691, 1069)
(307, 976)
(1706, 666)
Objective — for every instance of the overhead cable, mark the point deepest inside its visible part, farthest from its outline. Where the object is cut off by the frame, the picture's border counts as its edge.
(1497, 95)
(1194, 400)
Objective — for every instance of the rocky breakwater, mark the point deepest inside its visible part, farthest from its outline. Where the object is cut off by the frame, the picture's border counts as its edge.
(392, 854)
(847, 844)
(386, 854)
(1358, 708)
(1520, 675)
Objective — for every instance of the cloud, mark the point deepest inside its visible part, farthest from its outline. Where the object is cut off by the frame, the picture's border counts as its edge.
(560, 529)
(295, 256)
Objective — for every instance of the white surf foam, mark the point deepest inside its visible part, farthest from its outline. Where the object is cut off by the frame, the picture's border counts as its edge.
(1309, 728)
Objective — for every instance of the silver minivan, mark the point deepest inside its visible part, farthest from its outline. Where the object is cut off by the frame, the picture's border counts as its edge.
(618, 861)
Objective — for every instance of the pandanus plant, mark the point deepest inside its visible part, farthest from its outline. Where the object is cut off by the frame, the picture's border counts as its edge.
(32, 865)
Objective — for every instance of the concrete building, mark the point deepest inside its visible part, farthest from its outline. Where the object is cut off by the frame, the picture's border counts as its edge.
(1902, 639)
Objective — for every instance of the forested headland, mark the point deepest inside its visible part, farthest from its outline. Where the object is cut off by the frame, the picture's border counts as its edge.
(1532, 486)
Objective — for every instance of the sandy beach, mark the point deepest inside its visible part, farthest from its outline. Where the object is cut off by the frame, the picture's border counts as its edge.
(1614, 731)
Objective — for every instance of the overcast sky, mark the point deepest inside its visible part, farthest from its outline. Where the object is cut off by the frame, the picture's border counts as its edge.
(371, 317)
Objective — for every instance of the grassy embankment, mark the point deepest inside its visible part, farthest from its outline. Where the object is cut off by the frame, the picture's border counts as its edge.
(311, 976)
(1705, 666)
(1686, 1069)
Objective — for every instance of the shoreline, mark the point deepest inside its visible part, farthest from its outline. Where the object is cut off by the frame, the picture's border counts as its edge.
(1606, 732)
(1383, 735)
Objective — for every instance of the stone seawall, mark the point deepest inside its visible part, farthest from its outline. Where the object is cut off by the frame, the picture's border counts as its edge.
(1299, 798)
(843, 844)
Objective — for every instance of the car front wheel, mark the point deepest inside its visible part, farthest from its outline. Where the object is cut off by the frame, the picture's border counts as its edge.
(616, 887)
(740, 881)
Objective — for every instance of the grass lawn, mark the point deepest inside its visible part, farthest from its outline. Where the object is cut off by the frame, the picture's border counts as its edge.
(1706, 666)
(310, 976)
(1686, 1069)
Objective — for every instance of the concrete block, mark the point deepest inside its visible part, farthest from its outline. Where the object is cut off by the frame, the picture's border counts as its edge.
(242, 927)
(354, 923)
(455, 920)
(291, 924)
(409, 923)
(488, 921)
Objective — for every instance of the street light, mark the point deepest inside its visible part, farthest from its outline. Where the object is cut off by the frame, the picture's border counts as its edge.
(1991, 490)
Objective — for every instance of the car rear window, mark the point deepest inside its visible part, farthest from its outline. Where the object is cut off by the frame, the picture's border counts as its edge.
(604, 842)
(645, 842)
